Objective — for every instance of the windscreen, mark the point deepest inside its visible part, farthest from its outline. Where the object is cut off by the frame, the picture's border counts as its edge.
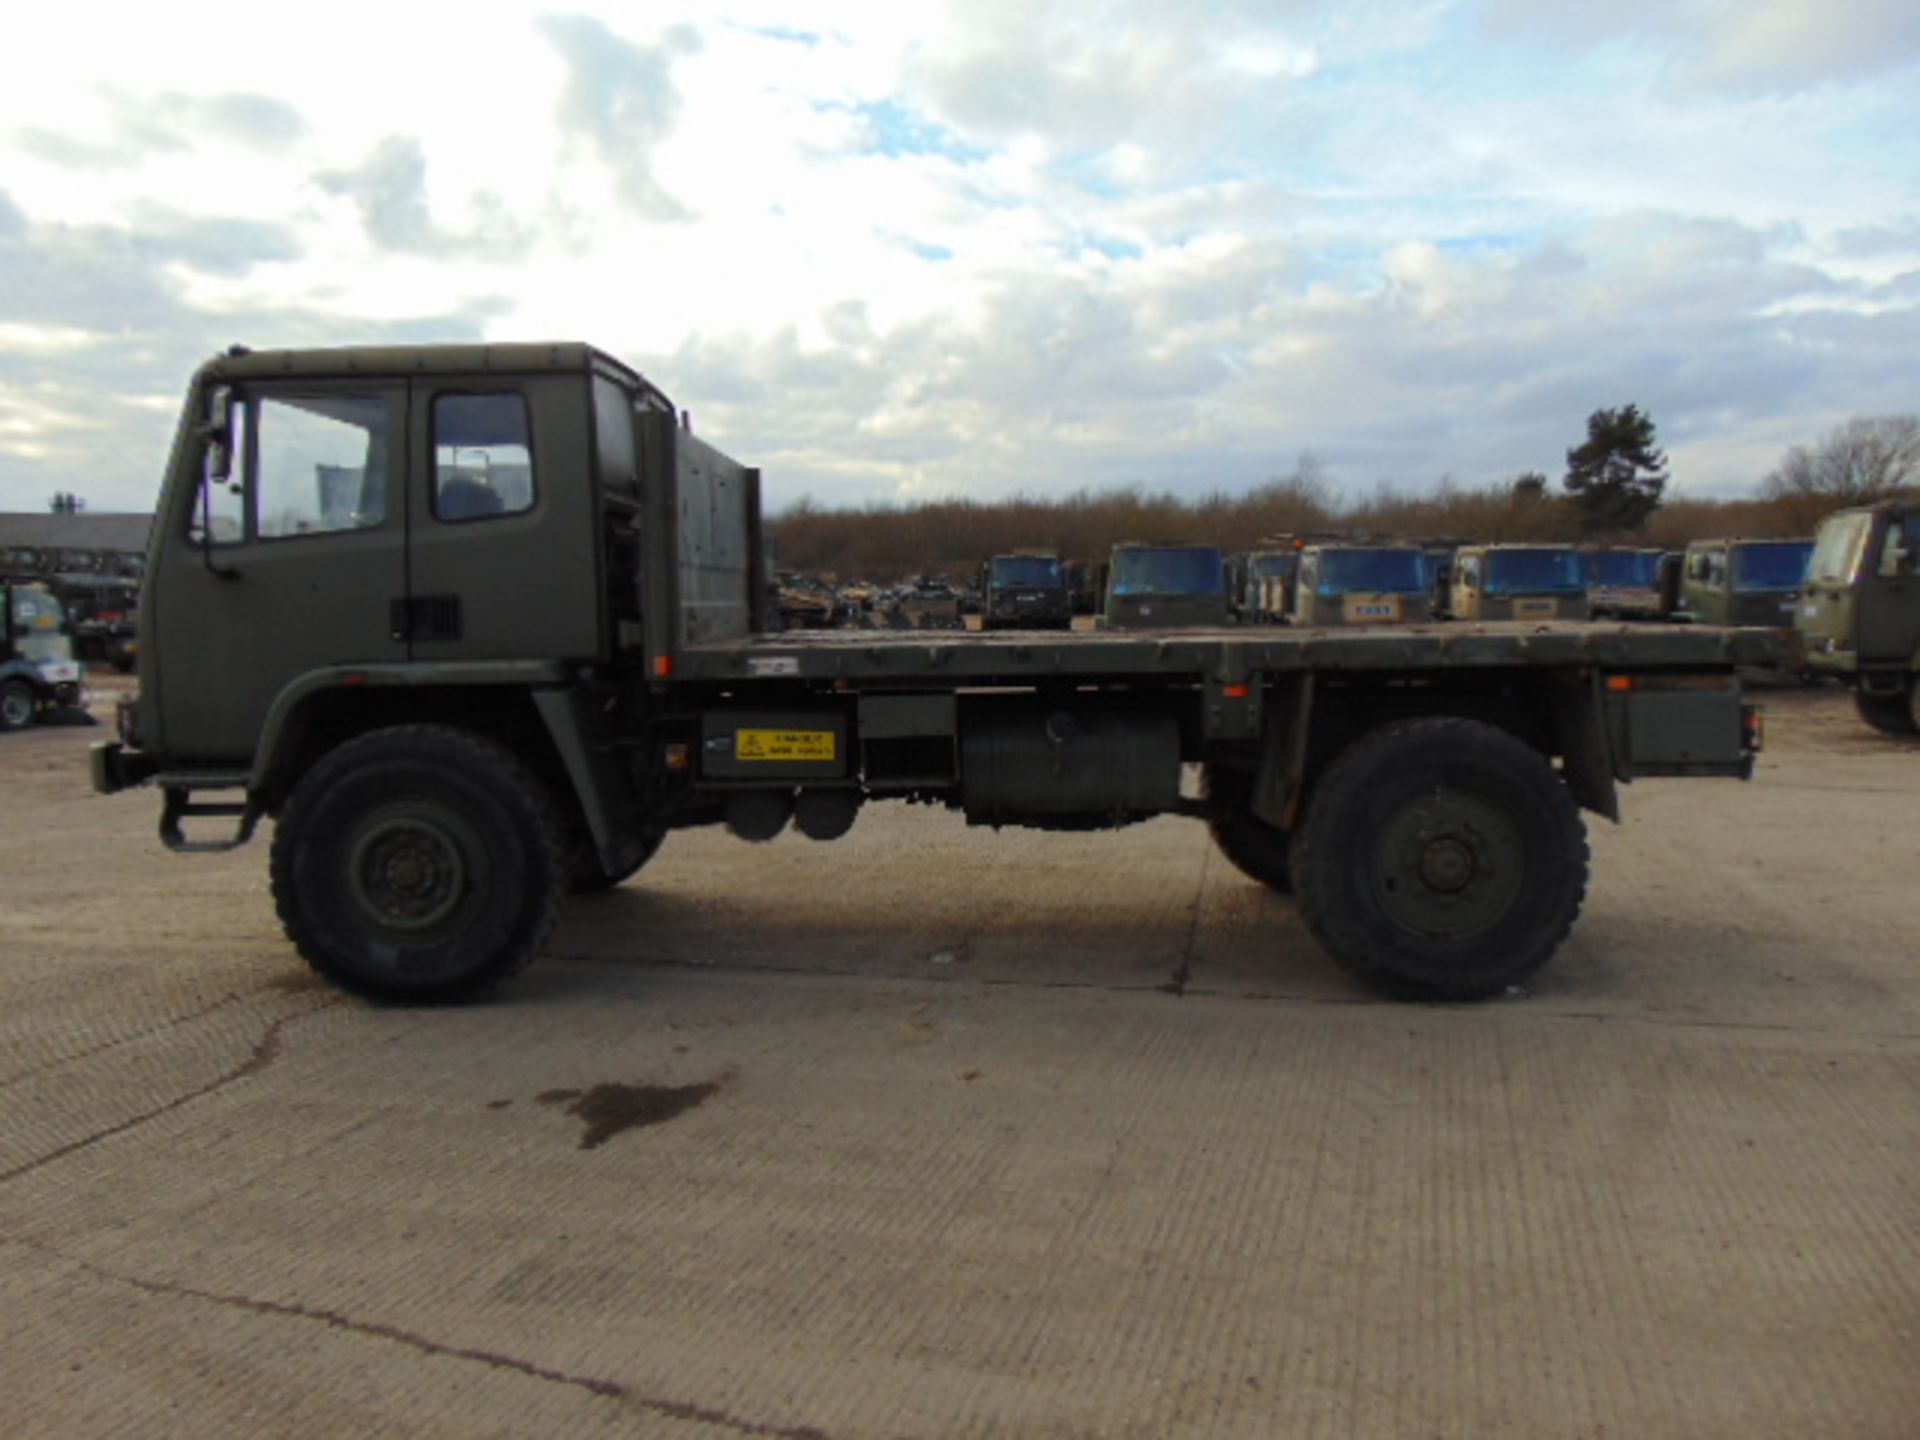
(1625, 569)
(1780, 566)
(1394, 572)
(1535, 572)
(1836, 550)
(1028, 572)
(1181, 571)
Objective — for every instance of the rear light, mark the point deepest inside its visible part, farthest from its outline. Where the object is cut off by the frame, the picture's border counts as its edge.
(1753, 729)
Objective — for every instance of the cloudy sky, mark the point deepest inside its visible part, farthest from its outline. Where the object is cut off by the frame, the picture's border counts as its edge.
(913, 249)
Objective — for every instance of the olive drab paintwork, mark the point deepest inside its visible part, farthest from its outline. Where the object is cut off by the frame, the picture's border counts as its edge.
(1362, 585)
(508, 585)
(1518, 582)
(1860, 610)
(1742, 582)
(395, 573)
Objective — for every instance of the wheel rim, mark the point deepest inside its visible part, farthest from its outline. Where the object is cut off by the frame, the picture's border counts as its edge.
(1447, 865)
(409, 868)
(16, 707)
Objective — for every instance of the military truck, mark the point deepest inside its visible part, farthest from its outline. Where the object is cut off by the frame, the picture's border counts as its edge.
(1156, 586)
(456, 712)
(1742, 582)
(1362, 585)
(1518, 582)
(1261, 583)
(1026, 590)
(38, 671)
(1860, 610)
(1624, 584)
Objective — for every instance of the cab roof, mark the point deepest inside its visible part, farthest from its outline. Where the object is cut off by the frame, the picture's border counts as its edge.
(333, 362)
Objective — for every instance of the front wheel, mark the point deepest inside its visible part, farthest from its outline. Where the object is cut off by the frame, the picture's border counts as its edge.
(419, 863)
(18, 705)
(1440, 859)
(1896, 714)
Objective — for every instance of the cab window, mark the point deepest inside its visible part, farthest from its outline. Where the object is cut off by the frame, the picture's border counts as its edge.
(482, 456)
(319, 464)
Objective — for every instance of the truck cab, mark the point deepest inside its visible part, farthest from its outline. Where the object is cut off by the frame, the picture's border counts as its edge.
(1860, 611)
(1519, 582)
(1624, 584)
(1362, 585)
(1161, 586)
(1743, 582)
(38, 671)
(1025, 590)
(1263, 583)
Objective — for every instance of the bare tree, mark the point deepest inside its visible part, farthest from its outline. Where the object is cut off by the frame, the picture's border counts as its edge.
(1867, 459)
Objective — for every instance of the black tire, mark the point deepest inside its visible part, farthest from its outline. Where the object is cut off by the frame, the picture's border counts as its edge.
(1440, 859)
(18, 705)
(587, 876)
(1254, 848)
(1891, 714)
(418, 864)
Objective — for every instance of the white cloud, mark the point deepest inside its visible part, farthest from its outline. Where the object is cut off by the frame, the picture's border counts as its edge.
(910, 248)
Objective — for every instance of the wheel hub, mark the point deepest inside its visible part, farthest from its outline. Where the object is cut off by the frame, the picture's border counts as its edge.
(1448, 865)
(407, 871)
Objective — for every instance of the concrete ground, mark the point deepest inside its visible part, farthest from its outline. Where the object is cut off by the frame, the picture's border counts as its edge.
(933, 1132)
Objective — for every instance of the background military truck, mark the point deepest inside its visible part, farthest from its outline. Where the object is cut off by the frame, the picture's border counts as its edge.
(456, 713)
(1860, 610)
(1362, 585)
(1742, 582)
(1518, 582)
(38, 671)
(1155, 586)
(1261, 582)
(1624, 584)
(1026, 590)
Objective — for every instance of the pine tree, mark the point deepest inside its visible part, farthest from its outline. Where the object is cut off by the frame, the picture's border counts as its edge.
(1618, 475)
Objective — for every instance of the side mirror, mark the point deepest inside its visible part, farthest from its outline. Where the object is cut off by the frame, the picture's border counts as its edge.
(218, 430)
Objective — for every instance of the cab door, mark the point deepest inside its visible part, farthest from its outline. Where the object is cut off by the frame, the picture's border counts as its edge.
(501, 552)
(1888, 602)
(291, 562)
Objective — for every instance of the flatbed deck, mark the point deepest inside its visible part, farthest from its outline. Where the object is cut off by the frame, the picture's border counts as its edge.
(1230, 653)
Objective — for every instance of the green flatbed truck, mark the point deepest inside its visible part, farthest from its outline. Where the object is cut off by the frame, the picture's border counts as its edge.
(477, 627)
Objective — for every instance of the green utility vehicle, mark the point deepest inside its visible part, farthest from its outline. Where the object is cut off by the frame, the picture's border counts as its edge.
(1025, 591)
(1860, 613)
(1625, 584)
(1743, 582)
(457, 707)
(38, 671)
(1362, 585)
(1162, 586)
(1519, 582)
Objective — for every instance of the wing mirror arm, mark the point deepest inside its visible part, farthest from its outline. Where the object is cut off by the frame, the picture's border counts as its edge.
(215, 431)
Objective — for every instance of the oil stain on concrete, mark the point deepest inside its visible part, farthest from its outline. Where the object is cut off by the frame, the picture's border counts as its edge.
(609, 1109)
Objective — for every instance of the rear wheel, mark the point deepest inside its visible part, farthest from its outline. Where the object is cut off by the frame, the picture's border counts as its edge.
(1440, 859)
(1254, 848)
(18, 705)
(1895, 714)
(420, 863)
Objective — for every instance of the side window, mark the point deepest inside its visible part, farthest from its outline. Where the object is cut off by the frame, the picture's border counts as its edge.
(319, 464)
(482, 456)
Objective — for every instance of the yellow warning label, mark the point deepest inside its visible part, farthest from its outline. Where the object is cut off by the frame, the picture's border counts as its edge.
(783, 744)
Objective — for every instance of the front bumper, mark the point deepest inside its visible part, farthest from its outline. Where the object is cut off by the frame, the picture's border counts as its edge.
(115, 768)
